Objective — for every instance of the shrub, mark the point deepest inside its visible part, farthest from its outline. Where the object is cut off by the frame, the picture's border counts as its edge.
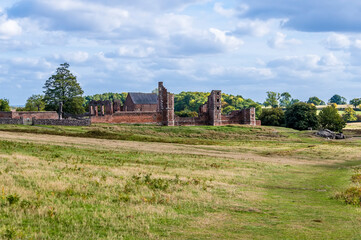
(186, 114)
(272, 117)
(351, 196)
(4, 105)
(350, 115)
(358, 118)
(330, 119)
(301, 116)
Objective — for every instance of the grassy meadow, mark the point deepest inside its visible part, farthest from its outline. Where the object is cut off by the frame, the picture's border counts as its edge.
(150, 182)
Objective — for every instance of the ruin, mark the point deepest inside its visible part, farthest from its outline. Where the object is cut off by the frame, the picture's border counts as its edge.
(147, 108)
(142, 108)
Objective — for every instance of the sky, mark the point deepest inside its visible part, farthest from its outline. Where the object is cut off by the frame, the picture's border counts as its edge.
(244, 47)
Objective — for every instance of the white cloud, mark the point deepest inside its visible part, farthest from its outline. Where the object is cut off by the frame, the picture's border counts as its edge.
(9, 28)
(337, 42)
(280, 41)
(229, 42)
(255, 28)
(218, 8)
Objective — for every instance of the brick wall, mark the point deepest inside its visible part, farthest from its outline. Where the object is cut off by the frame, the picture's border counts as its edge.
(6, 115)
(128, 117)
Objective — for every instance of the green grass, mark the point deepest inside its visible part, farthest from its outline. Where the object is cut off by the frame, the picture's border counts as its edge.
(260, 183)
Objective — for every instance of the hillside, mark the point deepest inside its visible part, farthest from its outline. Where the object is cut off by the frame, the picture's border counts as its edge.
(150, 182)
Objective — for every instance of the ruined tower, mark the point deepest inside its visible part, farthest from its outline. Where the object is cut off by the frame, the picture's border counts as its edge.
(215, 108)
(165, 105)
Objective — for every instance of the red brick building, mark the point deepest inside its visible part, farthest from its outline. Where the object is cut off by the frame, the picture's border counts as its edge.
(141, 102)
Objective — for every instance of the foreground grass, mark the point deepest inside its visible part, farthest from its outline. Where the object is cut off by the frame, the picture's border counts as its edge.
(56, 191)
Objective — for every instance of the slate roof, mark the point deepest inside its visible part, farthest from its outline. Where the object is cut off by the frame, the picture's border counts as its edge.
(144, 98)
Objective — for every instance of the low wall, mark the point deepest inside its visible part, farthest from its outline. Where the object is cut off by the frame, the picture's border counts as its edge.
(62, 122)
(129, 117)
(6, 115)
(189, 121)
(11, 121)
(30, 115)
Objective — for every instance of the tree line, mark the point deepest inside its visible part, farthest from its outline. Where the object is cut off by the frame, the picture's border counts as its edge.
(63, 93)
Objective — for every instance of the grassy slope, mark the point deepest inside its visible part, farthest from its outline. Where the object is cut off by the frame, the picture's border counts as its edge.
(73, 192)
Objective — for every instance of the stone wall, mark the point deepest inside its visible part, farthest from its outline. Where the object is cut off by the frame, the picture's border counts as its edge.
(30, 115)
(11, 121)
(62, 122)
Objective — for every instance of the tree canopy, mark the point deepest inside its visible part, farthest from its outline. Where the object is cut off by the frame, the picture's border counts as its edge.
(339, 100)
(316, 101)
(272, 117)
(301, 116)
(35, 103)
(4, 105)
(356, 102)
(330, 119)
(62, 87)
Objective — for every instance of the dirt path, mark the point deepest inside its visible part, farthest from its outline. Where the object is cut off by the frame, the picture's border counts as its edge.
(153, 147)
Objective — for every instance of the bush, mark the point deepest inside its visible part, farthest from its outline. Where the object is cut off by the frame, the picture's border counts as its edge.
(351, 196)
(301, 116)
(358, 118)
(330, 119)
(350, 115)
(272, 117)
(186, 114)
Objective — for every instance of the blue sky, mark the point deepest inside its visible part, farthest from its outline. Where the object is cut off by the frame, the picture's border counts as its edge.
(247, 47)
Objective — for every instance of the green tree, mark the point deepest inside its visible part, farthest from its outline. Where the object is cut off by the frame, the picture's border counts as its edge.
(272, 117)
(285, 99)
(63, 88)
(349, 115)
(316, 101)
(35, 103)
(339, 100)
(4, 105)
(330, 119)
(272, 99)
(355, 102)
(301, 116)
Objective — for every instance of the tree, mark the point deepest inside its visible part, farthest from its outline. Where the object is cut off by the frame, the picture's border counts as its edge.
(330, 119)
(349, 115)
(316, 101)
(35, 103)
(63, 89)
(272, 117)
(285, 99)
(337, 99)
(272, 99)
(4, 105)
(301, 116)
(355, 102)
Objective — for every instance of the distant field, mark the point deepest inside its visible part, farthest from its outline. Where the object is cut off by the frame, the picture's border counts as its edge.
(151, 182)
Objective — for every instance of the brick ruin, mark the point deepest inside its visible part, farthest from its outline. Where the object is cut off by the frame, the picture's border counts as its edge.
(163, 112)
(143, 108)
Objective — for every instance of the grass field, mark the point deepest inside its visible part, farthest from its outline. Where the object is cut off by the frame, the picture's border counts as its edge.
(150, 182)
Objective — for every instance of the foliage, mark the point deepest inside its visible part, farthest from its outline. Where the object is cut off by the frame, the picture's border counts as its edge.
(301, 116)
(285, 99)
(4, 105)
(337, 99)
(189, 101)
(105, 96)
(330, 119)
(63, 87)
(315, 100)
(355, 102)
(272, 117)
(349, 115)
(186, 114)
(35, 103)
(272, 99)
